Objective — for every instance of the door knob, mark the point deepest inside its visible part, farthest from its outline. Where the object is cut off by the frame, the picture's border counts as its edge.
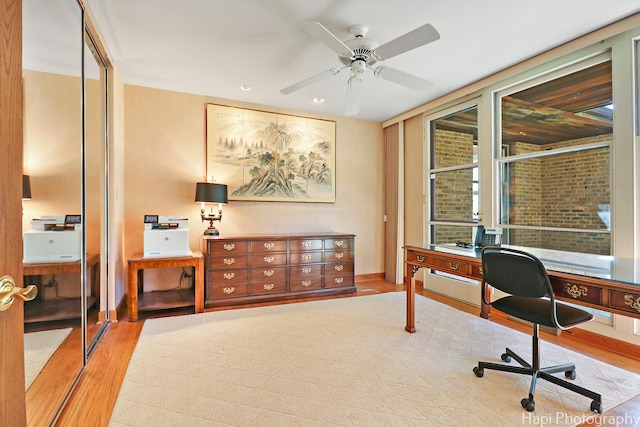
(9, 291)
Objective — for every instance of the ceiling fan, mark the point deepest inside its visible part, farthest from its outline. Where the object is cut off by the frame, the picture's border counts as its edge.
(360, 53)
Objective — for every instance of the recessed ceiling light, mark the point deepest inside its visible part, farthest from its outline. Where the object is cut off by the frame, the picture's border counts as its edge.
(318, 100)
(246, 87)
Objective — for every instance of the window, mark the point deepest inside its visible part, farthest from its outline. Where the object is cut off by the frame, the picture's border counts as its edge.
(453, 175)
(554, 162)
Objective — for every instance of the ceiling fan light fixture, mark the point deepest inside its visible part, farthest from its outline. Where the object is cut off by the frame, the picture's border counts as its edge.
(318, 100)
(246, 87)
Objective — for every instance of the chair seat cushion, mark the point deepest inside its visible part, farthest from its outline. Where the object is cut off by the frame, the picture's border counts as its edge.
(538, 311)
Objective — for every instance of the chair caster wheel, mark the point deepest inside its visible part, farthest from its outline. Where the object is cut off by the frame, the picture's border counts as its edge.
(505, 358)
(528, 404)
(570, 374)
(479, 372)
(596, 407)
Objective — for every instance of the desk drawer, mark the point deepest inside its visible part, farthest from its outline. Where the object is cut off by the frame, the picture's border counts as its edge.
(625, 301)
(449, 265)
(576, 291)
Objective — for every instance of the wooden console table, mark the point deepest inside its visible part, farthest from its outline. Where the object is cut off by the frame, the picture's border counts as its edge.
(605, 283)
(171, 299)
(44, 310)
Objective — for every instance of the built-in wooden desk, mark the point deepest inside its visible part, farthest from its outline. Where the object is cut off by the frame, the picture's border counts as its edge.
(137, 300)
(601, 282)
(44, 310)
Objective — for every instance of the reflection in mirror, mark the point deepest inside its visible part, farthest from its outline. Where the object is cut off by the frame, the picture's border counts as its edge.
(52, 46)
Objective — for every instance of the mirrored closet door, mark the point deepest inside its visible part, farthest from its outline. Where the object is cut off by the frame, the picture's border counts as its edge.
(65, 159)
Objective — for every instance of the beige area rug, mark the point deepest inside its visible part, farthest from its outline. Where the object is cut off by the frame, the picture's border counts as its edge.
(345, 362)
(38, 349)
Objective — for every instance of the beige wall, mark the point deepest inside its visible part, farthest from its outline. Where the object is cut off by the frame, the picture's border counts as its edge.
(413, 185)
(165, 157)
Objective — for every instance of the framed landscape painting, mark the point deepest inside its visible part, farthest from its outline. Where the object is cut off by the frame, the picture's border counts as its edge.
(271, 157)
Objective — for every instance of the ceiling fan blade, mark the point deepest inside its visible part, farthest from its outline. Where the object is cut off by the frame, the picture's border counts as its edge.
(311, 80)
(354, 90)
(402, 78)
(413, 39)
(318, 31)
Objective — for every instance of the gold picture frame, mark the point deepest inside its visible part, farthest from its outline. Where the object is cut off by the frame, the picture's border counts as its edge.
(263, 156)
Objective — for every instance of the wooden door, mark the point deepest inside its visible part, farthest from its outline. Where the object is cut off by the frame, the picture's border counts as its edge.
(12, 397)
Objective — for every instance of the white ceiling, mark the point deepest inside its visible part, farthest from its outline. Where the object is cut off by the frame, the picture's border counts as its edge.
(212, 47)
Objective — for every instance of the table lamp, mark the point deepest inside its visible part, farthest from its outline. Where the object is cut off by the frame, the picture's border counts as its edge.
(208, 192)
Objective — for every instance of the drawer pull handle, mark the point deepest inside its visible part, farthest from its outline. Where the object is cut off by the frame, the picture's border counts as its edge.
(268, 286)
(635, 304)
(339, 243)
(339, 255)
(229, 290)
(269, 273)
(269, 245)
(229, 276)
(269, 259)
(306, 270)
(306, 283)
(306, 244)
(338, 267)
(453, 266)
(306, 257)
(229, 261)
(339, 280)
(420, 258)
(229, 246)
(576, 291)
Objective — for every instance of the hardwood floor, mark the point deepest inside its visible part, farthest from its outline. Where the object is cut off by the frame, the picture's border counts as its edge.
(96, 393)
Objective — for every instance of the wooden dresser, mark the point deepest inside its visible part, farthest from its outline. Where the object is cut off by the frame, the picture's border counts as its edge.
(248, 269)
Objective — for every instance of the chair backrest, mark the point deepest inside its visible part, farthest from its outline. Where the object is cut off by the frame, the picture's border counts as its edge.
(515, 272)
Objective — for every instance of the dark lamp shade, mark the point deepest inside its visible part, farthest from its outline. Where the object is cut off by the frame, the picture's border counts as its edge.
(26, 187)
(208, 192)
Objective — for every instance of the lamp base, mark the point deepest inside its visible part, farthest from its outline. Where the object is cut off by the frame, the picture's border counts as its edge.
(211, 231)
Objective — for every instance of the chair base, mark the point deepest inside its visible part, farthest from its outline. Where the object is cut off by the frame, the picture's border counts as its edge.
(536, 372)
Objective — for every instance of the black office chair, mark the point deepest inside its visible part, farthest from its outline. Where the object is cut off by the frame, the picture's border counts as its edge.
(530, 297)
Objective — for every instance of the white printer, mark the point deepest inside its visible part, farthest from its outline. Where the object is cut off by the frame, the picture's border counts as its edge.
(53, 238)
(166, 236)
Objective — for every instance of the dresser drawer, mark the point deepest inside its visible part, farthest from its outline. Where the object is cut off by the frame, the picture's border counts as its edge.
(219, 247)
(305, 271)
(338, 281)
(339, 243)
(306, 257)
(298, 284)
(267, 259)
(297, 245)
(226, 291)
(268, 246)
(228, 261)
(338, 269)
(338, 256)
(228, 277)
(269, 273)
(262, 287)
